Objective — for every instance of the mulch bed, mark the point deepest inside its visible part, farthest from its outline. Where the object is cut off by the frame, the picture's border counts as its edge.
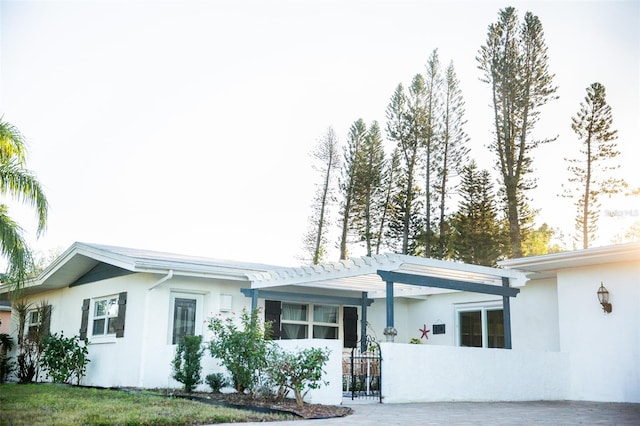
(287, 406)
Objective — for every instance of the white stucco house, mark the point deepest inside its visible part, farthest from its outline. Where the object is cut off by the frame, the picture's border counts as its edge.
(532, 329)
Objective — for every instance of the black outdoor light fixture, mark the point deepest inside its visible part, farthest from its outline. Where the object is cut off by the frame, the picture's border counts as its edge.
(603, 297)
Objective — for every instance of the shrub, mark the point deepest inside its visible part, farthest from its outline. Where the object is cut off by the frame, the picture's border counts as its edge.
(242, 350)
(64, 358)
(186, 363)
(216, 381)
(298, 370)
(7, 365)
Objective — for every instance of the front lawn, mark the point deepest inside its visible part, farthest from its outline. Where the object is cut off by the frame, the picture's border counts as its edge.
(49, 404)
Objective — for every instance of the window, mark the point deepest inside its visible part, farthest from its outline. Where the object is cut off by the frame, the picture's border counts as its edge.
(301, 321)
(34, 322)
(185, 316)
(105, 316)
(481, 325)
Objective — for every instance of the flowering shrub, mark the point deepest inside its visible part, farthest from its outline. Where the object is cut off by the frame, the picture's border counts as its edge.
(64, 358)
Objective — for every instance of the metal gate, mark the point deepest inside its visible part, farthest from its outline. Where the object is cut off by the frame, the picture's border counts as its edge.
(361, 371)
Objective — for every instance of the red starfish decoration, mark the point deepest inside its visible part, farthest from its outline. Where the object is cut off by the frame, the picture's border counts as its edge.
(424, 332)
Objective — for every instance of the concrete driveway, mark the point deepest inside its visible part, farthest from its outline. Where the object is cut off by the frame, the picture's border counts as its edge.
(482, 413)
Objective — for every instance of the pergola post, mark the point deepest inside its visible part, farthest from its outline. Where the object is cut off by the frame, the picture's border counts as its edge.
(390, 331)
(506, 315)
(363, 323)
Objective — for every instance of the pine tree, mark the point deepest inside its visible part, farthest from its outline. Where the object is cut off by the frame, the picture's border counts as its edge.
(515, 65)
(389, 176)
(453, 152)
(369, 205)
(348, 184)
(406, 124)
(592, 172)
(476, 235)
(327, 156)
(432, 115)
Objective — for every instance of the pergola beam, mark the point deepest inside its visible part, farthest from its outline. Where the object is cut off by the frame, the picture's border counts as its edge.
(426, 281)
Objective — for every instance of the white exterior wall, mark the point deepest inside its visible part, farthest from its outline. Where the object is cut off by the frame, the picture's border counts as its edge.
(534, 317)
(604, 348)
(425, 373)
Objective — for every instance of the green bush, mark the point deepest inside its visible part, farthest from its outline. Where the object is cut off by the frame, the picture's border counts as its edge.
(7, 365)
(186, 363)
(299, 371)
(64, 358)
(242, 350)
(216, 381)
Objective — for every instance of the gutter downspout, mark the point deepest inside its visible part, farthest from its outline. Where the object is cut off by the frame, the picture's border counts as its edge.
(145, 321)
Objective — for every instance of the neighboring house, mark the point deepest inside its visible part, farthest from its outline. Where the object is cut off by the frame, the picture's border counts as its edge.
(134, 305)
(5, 317)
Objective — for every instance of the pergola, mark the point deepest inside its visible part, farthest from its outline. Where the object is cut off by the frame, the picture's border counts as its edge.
(359, 281)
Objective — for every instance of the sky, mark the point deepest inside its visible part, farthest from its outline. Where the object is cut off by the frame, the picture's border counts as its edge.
(187, 126)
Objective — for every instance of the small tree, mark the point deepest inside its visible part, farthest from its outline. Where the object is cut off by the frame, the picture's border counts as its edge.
(298, 370)
(242, 350)
(64, 358)
(186, 362)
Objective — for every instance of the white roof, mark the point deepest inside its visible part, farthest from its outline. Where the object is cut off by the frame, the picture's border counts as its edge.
(353, 275)
(547, 265)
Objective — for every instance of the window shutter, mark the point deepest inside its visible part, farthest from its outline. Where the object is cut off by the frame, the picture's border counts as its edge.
(45, 324)
(84, 322)
(122, 310)
(350, 326)
(272, 309)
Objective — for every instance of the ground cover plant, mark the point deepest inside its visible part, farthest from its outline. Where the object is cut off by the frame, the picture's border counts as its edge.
(51, 404)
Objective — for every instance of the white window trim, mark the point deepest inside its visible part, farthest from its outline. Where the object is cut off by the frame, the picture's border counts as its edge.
(483, 307)
(310, 323)
(101, 338)
(29, 324)
(199, 298)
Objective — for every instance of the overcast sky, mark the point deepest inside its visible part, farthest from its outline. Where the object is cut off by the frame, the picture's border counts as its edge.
(186, 126)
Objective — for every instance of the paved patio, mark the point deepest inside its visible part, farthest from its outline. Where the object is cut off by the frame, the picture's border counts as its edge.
(483, 413)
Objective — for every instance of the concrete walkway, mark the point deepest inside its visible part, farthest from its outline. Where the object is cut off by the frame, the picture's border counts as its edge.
(482, 413)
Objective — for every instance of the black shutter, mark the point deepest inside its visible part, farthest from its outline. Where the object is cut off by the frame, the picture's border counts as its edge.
(272, 309)
(45, 324)
(122, 310)
(84, 322)
(350, 326)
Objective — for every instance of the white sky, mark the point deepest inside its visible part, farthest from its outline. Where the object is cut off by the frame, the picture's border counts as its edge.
(186, 126)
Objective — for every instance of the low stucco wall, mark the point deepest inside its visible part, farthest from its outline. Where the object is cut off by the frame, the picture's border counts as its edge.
(425, 373)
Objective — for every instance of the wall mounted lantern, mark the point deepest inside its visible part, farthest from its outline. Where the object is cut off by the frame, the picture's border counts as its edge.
(603, 297)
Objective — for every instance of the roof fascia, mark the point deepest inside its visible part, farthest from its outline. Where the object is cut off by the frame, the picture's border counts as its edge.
(595, 255)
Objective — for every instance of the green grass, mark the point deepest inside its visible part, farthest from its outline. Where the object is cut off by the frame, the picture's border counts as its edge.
(47, 404)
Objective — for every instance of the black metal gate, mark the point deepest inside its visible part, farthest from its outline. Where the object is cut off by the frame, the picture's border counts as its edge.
(361, 371)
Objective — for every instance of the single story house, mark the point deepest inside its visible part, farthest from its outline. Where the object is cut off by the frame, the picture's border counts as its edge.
(532, 329)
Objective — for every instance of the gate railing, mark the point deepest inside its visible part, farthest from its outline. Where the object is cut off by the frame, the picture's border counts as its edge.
(362, 370)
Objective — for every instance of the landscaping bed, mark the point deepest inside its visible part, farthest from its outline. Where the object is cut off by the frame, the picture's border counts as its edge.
(269, 405)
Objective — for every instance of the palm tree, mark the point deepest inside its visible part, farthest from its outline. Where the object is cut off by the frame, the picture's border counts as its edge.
(20, 184)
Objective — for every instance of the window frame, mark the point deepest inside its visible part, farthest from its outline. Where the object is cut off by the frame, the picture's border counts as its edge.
(198, 320)
(109, 318)
(483, 308)
(310, 322)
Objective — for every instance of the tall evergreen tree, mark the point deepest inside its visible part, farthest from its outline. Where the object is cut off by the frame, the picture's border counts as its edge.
(515, 66)
(453, 151)
(327, 157)
(476, 233)
(348, 183)
(369, 194)
(390, 174)
(592, 171)
(406, 124)
(432, 115)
